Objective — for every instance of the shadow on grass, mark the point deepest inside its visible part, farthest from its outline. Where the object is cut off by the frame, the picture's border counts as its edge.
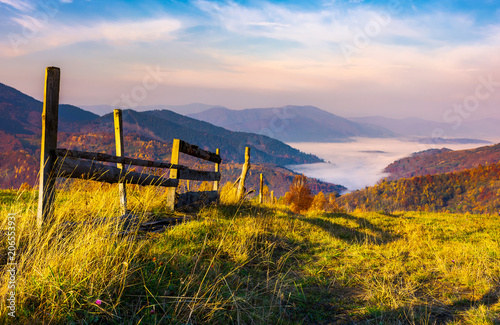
(186, 287)
(432, 313)
(376, 235)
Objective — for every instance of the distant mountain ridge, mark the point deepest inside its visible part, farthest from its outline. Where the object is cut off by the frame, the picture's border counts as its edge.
(291, 123)
(166, 125)
(414, 126)
(21, 114)
(180, 109)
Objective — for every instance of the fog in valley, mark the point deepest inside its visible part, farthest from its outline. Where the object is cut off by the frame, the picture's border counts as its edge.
(359, 164)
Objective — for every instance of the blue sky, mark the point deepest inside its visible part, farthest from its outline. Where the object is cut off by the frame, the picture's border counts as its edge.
(351, 57)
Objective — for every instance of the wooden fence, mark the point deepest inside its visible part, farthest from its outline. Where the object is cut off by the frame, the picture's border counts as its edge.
(57, 162)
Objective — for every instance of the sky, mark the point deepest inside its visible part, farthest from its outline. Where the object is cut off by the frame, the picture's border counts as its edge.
(437, 60)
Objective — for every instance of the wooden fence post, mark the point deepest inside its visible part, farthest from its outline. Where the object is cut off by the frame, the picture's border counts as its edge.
(216, 183)
(50, 115)
(244, 171)
(173, 174)
(120, 152)
(261, 189)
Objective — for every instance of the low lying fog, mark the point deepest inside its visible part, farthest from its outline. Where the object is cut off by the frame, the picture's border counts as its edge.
(359, 164)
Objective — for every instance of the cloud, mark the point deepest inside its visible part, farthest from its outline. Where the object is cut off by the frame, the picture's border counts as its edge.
(327, 27)
(277, 22)
(39, 35)
(359, 164)
(417, 63)
(20, 5)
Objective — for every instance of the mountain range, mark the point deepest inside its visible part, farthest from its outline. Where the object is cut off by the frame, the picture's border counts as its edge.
(148, 135)
(21, 115)
(291, 123)
(180, 109)
(166, 125)
(311, 124)
(418, 127)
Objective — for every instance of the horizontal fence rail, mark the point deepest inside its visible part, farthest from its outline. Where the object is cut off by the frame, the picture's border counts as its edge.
(72, 168)
(197, 152)
(116, 159)
(183, 171)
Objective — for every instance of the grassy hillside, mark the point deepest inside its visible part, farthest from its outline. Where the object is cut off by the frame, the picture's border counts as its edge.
(248, 264)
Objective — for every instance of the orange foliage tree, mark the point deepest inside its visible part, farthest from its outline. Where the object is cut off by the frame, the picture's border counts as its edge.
(318, 202)
(299, 196)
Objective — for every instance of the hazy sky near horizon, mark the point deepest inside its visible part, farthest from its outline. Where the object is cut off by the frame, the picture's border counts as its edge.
(430, 59)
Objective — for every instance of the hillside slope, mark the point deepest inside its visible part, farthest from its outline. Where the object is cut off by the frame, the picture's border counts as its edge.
(475, 190)
(291, 123)
(22, 114)
(442, 161)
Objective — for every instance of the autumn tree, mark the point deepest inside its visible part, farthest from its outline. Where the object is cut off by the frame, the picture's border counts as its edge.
(299, 196)
(318, 202)
(332, 205)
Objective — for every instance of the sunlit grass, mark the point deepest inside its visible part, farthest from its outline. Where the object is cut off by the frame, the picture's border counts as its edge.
(243, 263)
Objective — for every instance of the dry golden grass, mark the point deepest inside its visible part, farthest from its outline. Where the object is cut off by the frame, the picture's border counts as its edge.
(243, 263)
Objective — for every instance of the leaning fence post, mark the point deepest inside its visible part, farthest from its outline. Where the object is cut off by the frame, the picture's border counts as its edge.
(261, 188)
(46, 191)
(244, 171)
(120, 152)
(173, 174)
(216, 183)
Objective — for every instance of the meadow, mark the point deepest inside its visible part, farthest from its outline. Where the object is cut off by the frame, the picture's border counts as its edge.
(245, 263)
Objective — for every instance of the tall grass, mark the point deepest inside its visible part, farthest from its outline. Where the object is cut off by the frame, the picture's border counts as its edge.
(243, 263)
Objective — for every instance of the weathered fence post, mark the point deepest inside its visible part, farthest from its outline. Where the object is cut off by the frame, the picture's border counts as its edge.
(120, 152)
(272, 197)
(261, 189)
(173, 174)
(216, 183)
(46, 191)
(244, 171)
